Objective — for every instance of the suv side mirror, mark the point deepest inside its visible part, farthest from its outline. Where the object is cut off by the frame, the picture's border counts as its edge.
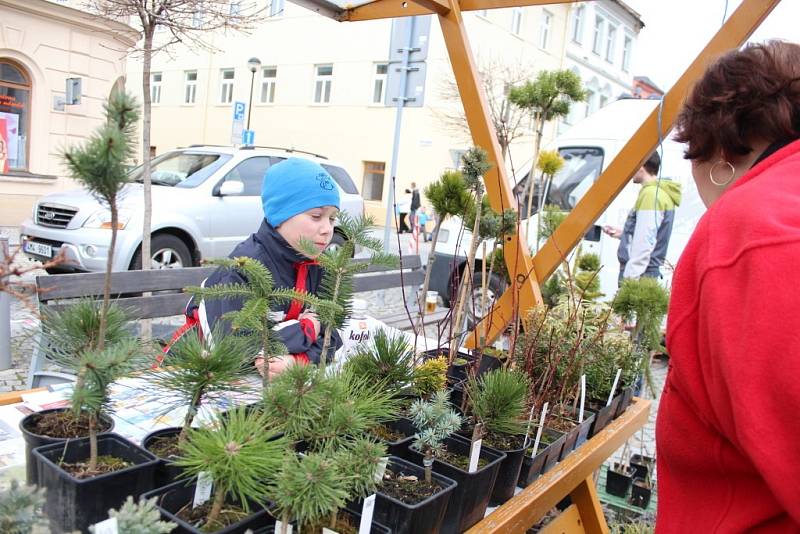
(231, 188)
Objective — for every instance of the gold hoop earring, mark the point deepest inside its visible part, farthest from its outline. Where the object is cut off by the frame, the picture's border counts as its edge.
(730, 178)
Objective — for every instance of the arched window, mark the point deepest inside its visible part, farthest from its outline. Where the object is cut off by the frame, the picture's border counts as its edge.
(15, 109)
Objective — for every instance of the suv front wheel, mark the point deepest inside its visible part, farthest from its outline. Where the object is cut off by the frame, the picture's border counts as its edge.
(167, 252)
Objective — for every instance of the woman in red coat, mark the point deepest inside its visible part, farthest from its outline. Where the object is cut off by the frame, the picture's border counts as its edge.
(728, 434)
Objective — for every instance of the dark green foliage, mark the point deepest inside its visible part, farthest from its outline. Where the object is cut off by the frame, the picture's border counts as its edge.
(388, 359)
(550, 95)
(449, 195)
(492, 224)
(21, 510)
(552, 217)
(603, 356)
(497, 400)
(100, 164)
(589, 262)
(139, 518)
(197, 369)
(474, 164)
(326, 409)
(241, 455)
(645, 301)
(310, 488)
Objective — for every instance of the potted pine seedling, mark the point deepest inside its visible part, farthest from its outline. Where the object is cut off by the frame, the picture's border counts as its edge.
(473, 468)
(413, 499)
(338, 272)
(430, 376)
(196, 370)
(259, 297)
(66, 335)
(619, 475)
(100, 166)
(229, 471)
(87, 476)
(497, 403)
(388, 360)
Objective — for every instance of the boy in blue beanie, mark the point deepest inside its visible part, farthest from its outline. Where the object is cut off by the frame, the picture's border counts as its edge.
(301, 202)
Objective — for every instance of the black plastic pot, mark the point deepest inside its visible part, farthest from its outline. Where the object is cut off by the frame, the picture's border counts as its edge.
(457, 372)
(74, 504)
(552, 441)
(578, 435)
(618, 480)
(171, 498)
(508, 474)
(643, 465)
(400, 447)
(166, 471)
(625, 401)
(457, 395)
(37, 440)
(640, 493)
(489, 363)
(424, 516)
(603, 414)
(471, 497)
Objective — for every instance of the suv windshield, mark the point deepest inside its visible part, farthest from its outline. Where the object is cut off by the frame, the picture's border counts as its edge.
(181, 169)
(582, 166)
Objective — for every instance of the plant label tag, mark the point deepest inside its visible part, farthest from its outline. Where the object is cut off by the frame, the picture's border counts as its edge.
(202, 491)
(109, 526)
(283, 528)
(379, 472)
(474, 455)
(328, 531)
(365, 527)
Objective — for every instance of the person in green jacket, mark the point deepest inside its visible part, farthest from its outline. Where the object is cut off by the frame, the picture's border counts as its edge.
(645, 237)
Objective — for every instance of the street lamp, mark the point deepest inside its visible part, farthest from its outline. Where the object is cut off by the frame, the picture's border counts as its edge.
(254, 63)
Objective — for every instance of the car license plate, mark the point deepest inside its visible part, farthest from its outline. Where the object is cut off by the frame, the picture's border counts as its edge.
(40, 249)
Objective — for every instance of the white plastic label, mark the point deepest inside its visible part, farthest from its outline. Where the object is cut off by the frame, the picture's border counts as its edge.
(474, 455)
(109, 526)
(379, 472)
(202, 491)
(366, 515)
(328, 531)
(281, 528)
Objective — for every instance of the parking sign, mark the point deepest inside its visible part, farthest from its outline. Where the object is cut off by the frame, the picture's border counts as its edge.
(238, 111)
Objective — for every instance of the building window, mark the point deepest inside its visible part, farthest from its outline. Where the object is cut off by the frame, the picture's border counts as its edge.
(236, 8)
(577, 23)
(15, 103)
(226, 86)
(372, 188)
(516, 20)
(276, 8)
(597, 40)
(323, 80)
(627, 48)
(190, 91)
(155, 88)
(197, 19)
(379, 83)
(269, 77)
(544, 29)
(611, 39)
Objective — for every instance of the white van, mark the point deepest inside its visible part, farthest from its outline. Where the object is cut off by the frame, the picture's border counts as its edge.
(588, 148)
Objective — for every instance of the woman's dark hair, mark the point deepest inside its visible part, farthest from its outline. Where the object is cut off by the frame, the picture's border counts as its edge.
(745, 95)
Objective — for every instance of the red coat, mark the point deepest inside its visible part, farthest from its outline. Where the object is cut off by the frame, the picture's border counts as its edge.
(728, 428)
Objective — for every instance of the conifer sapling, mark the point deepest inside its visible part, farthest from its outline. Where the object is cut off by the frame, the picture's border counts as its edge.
(21, 510)
(436, 420)
(139, 518)
(387, 358)
(497, 401)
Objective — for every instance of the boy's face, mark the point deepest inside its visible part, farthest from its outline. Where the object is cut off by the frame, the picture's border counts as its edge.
(315, 225)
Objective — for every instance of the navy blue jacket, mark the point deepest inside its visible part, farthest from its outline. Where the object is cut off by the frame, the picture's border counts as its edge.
(272, 250)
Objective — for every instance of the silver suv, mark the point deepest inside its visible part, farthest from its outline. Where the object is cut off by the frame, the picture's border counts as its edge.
(206, 199)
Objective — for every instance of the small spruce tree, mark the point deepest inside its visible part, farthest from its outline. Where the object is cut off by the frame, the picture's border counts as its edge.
(436, 420)
(139, 518)
(21, 510)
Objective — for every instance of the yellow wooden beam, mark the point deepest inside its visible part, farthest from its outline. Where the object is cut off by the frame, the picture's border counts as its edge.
(588, 504)
(732, 34)
(517, 255)
(440, 7)
(384, 9)
(531, 504)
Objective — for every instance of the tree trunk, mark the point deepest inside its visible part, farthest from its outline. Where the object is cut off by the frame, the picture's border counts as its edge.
(465, 280)
(216, 507)
(101, 342)
(532, 175)
(326, 340)
(190, 414)
(92, 442)
(426, 283)
(146, 329)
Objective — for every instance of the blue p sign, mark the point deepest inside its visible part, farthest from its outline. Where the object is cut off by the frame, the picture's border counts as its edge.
(238, 111)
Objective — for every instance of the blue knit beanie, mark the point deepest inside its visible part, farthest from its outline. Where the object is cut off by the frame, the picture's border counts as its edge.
(296, 185)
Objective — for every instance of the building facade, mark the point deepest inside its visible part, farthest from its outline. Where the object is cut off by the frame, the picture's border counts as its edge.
(322, 85)
(42, 44)
(601, 41)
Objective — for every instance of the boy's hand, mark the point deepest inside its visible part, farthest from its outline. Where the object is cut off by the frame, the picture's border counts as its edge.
(613, 231)
(311, 316)
(277, 364)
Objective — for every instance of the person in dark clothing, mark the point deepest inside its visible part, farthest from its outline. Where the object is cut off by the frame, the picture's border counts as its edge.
(415, 204)
(300, 202)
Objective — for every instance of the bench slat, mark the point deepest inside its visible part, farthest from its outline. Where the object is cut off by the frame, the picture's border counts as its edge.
(160, 305)
(388, 281)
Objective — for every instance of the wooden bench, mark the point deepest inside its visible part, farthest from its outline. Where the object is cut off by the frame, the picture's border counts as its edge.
(55, 292)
